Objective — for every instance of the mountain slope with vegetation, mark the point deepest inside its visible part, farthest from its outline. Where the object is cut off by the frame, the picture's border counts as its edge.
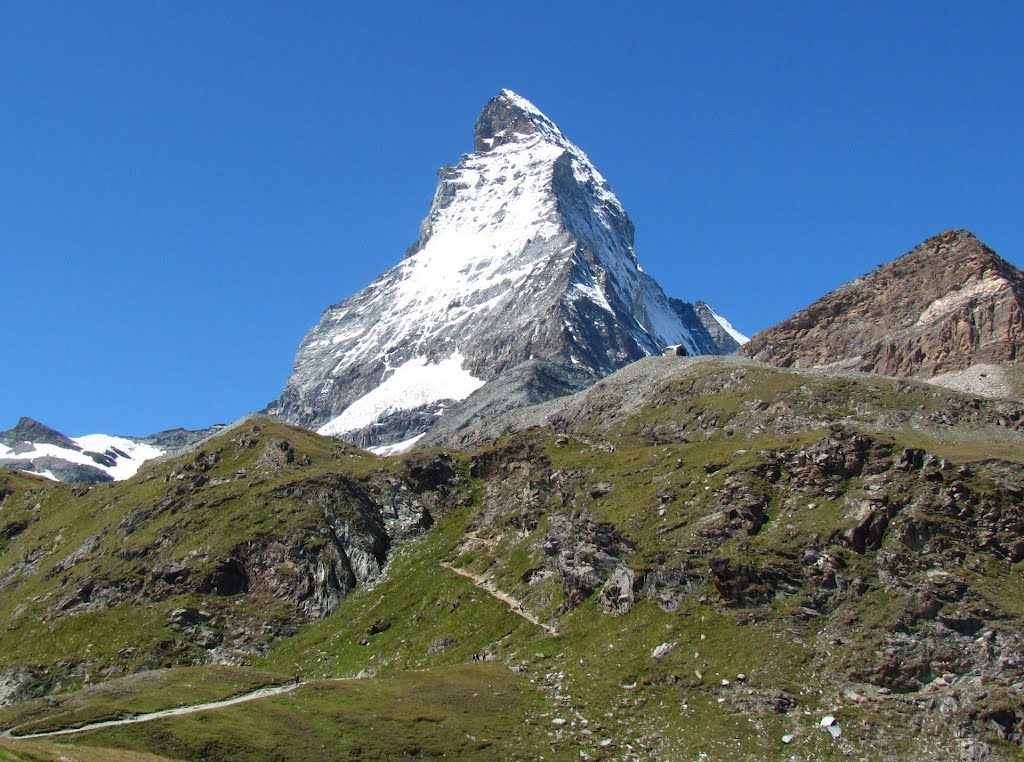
(694, 556)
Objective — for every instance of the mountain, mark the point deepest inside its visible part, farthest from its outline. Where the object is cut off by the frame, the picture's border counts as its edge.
(525, 254)
(949, 306)
(34, 447)
(693, 556)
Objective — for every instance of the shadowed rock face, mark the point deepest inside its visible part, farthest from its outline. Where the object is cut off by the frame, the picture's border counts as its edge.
(948, 304)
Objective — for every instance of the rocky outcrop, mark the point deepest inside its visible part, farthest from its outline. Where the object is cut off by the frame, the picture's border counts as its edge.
(30, 430)
(18, 684)
(588, 555)
(949, 304)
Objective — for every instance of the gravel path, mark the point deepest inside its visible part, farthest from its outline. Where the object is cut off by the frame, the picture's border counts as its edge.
(514, 604)
(273, 690)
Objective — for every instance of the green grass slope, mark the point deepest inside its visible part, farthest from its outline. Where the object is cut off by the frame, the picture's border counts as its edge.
(709, 567)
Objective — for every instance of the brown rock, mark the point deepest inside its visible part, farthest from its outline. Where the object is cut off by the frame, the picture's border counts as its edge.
(950, 303)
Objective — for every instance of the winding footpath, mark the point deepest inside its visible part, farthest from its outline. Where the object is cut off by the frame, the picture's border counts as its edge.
(273, 690)
(514, 604)
(481, 582)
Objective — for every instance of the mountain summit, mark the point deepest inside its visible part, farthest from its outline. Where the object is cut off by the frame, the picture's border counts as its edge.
(526, 254)
(508, 118)
(949, 305)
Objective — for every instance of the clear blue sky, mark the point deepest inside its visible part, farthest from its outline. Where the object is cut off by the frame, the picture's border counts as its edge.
(185, 186)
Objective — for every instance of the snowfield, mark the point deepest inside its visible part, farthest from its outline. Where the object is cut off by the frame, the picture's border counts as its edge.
(127, 454)
(411, 385)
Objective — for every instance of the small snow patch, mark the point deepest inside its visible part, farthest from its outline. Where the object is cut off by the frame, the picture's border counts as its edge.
(397, 447)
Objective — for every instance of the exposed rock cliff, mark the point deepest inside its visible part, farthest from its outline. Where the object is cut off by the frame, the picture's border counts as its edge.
(949, 304)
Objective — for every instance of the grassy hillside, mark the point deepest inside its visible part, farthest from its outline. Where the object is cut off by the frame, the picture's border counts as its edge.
(712, 562)
(209, 556)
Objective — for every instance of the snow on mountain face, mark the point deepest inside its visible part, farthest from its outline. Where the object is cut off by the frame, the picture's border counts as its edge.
(413, 384)
(738, 337)
(525, 253)
(128, 455)
(36, 448)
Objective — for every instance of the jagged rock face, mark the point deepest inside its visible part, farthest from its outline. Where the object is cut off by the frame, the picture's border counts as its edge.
(526, 253)
(30, 430)
(949, 304)
(504, 121)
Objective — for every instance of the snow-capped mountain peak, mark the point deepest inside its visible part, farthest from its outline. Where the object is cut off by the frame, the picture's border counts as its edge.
(35, 448)
(509, 118)
(525, 253)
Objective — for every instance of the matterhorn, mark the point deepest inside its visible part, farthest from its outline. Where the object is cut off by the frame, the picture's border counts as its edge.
(526, 256)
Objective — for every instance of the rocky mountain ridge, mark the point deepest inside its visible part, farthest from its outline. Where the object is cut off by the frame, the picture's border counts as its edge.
(950, 304)
(339, 531)
(36, 448)
(525, 254)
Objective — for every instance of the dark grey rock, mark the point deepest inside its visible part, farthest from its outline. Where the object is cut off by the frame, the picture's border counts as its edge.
(30, 430)
(399, 426)
(60, 468)
(178, 439)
